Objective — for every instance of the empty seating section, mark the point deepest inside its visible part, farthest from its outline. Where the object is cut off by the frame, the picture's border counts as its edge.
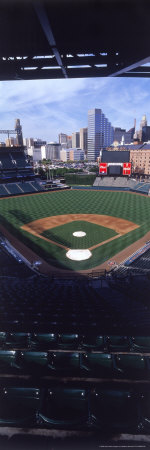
(6, 161)
(41, 305)
(20, 187)
(26, 187)
(74, 363)
(10, 266)
(119, 409)
(18, 405)
(64, 406)
(114, 409)
(104, 182)
(37, 185)
(3, 190)
(142, 262)
(72, 356)
(118, 182)
(20, 158)
(13, 188)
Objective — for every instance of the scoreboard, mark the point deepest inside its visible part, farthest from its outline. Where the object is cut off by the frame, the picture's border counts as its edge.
(126, 168)
(115, 168)
(103, 168)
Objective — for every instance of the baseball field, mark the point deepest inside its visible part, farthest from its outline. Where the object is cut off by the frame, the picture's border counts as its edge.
(108, 221)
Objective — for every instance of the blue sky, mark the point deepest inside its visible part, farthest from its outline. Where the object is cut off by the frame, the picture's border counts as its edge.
(48, 107)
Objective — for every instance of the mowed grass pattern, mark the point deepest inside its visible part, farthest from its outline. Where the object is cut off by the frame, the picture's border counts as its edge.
(64, 234)
(15, 212)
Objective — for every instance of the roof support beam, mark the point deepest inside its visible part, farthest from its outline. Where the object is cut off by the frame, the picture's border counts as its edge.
(43, 19)
(130, 67)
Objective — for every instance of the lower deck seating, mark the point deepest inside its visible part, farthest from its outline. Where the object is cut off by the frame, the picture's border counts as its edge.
(120, 409)
(75, 363)
(13, 188)
(71, 356)
(3, 190)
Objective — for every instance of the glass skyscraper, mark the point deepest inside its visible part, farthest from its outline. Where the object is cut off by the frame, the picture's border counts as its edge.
(100, 133)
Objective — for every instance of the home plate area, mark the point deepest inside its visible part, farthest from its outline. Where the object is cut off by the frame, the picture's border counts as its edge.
(79, 255)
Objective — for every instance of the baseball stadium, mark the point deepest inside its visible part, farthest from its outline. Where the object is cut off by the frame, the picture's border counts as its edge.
(74, 256)
(75, 272)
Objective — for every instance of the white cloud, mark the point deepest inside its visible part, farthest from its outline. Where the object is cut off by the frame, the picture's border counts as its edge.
(47, 107)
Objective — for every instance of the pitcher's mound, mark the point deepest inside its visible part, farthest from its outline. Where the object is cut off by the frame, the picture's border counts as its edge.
(79, 233)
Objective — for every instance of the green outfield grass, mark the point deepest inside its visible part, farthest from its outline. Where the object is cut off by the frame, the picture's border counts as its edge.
(17, 211)
(64, 234)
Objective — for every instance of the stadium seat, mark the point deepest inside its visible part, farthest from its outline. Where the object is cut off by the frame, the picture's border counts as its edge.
(141, 343)
(18, 405)
(131, 366)
(64, 362)
(114, 409)
(65, 407)
(93, 342)
(3, 337)
(69, 340)
(8, 360)
(35, 362)
(98, 364)
(118, 343)
(18, 340)
(44, 340)
(145, 411)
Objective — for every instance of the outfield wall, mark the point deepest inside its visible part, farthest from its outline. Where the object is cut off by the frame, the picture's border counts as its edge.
(110, 188)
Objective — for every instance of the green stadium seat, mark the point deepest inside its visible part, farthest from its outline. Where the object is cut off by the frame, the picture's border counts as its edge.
(131, 366)
(18, 340)
(34, 361)
(18, 405)
(93, 342)
(118, 343)
(3, 337)
(69, 340)
(100, 364)
(114, 409)
(65, 407)
(141, 343)
(64, 362)
(44, 340)
(145, 411)
(8, 360)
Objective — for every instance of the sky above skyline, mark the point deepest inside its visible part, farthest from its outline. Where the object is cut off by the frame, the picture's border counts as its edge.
(49, 107)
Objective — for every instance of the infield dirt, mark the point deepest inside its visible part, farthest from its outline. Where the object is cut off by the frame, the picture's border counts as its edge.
(121, 226)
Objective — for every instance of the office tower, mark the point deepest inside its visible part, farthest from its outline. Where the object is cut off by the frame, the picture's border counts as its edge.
(120, 133)
(146, 133)
(65, 141)
(69, 141)
(52, 150)
(76, 140)
(83, 139)
(77, 154)
(143, 124)
(62, 138)
(65, 154)
(100, 133)
(18, 129)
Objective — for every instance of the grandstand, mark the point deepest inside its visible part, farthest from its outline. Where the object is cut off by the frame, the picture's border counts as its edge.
(74, 350)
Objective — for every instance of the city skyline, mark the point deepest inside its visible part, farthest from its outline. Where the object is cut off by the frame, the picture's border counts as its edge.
(48, 107)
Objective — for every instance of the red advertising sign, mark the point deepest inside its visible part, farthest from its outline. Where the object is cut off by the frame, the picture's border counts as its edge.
(126, 168)
(103, 168)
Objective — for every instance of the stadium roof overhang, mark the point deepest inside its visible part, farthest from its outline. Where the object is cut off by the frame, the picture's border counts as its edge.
(74, 38)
